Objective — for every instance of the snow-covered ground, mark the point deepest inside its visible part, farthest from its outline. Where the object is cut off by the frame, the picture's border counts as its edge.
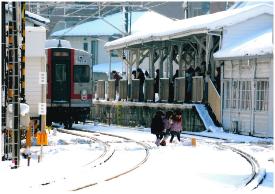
(177, 168)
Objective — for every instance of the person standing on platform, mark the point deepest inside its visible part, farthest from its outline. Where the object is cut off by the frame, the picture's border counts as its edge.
(141, 77)
(116, 77)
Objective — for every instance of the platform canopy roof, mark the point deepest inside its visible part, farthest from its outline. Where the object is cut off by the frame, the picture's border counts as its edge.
(195, 25)
(113, 25)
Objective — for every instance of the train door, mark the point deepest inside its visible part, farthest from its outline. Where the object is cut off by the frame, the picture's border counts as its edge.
(61, 76)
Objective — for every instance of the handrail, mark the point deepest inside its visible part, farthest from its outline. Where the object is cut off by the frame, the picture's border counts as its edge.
(214, 100)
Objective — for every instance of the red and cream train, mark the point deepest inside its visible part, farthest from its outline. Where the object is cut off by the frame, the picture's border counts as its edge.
(69, 94)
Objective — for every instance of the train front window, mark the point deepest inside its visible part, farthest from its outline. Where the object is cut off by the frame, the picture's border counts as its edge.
(60, 72)
(81, 73)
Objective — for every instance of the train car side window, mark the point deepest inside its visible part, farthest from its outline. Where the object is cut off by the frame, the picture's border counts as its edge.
(60, 72)
(81, 73)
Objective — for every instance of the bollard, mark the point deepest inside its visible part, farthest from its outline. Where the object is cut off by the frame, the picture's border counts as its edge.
(38, 157)
(29, 160)
(193, 141)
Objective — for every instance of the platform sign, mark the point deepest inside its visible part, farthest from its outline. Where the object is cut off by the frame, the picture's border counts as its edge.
(42, 78)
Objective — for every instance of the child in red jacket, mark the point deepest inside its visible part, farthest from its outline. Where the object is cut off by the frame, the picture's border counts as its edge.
(176, 126)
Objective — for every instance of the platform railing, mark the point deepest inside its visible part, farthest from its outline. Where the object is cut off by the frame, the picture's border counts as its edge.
(214, 100)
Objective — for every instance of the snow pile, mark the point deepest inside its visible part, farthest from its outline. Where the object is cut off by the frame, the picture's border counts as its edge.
(24, 109)
(207, 121)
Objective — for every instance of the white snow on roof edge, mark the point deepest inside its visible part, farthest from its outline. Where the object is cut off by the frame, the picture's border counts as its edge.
(192, 25)
(258, 45)
(37, 17)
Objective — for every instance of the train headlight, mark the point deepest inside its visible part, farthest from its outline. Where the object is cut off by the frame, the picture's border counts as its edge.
(84, 94)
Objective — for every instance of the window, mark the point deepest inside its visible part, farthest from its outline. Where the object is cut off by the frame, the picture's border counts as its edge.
(60, 54)
(238, 95)
(81, 73)
(85, 46)
(261, 102)
(235, 94)
(94, 51)
(227, 91)
(245, 95)
(60, 72)
(196, 11)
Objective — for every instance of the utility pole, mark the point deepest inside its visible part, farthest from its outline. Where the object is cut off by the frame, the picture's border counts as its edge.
(3, 81)
(23, 58)
(15, 89)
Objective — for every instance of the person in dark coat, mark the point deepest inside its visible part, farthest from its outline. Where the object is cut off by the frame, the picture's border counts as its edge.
(116, 77)
(167, 122)
(175, 76)
(147, 74)
(190, 74)
(134, 73)
(157, 126)
(141, 77)
(156, 86)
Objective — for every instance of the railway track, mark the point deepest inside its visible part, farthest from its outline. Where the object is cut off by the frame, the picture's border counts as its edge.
(108, 153)
(257, 173)
(251, 182)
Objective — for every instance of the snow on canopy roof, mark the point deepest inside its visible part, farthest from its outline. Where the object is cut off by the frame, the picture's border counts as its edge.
(255, 45)
(99, 27)
(199, 24)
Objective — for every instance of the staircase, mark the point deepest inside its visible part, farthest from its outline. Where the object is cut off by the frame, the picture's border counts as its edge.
(206, 118)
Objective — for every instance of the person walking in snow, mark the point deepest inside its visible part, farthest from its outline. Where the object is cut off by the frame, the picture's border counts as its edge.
(157, 126)
(176, 126)
(167, 121)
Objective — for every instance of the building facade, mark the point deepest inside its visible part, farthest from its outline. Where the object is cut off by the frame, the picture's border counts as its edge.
(247, 76)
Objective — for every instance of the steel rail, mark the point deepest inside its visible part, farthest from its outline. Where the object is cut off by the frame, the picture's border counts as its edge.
(144, 145)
